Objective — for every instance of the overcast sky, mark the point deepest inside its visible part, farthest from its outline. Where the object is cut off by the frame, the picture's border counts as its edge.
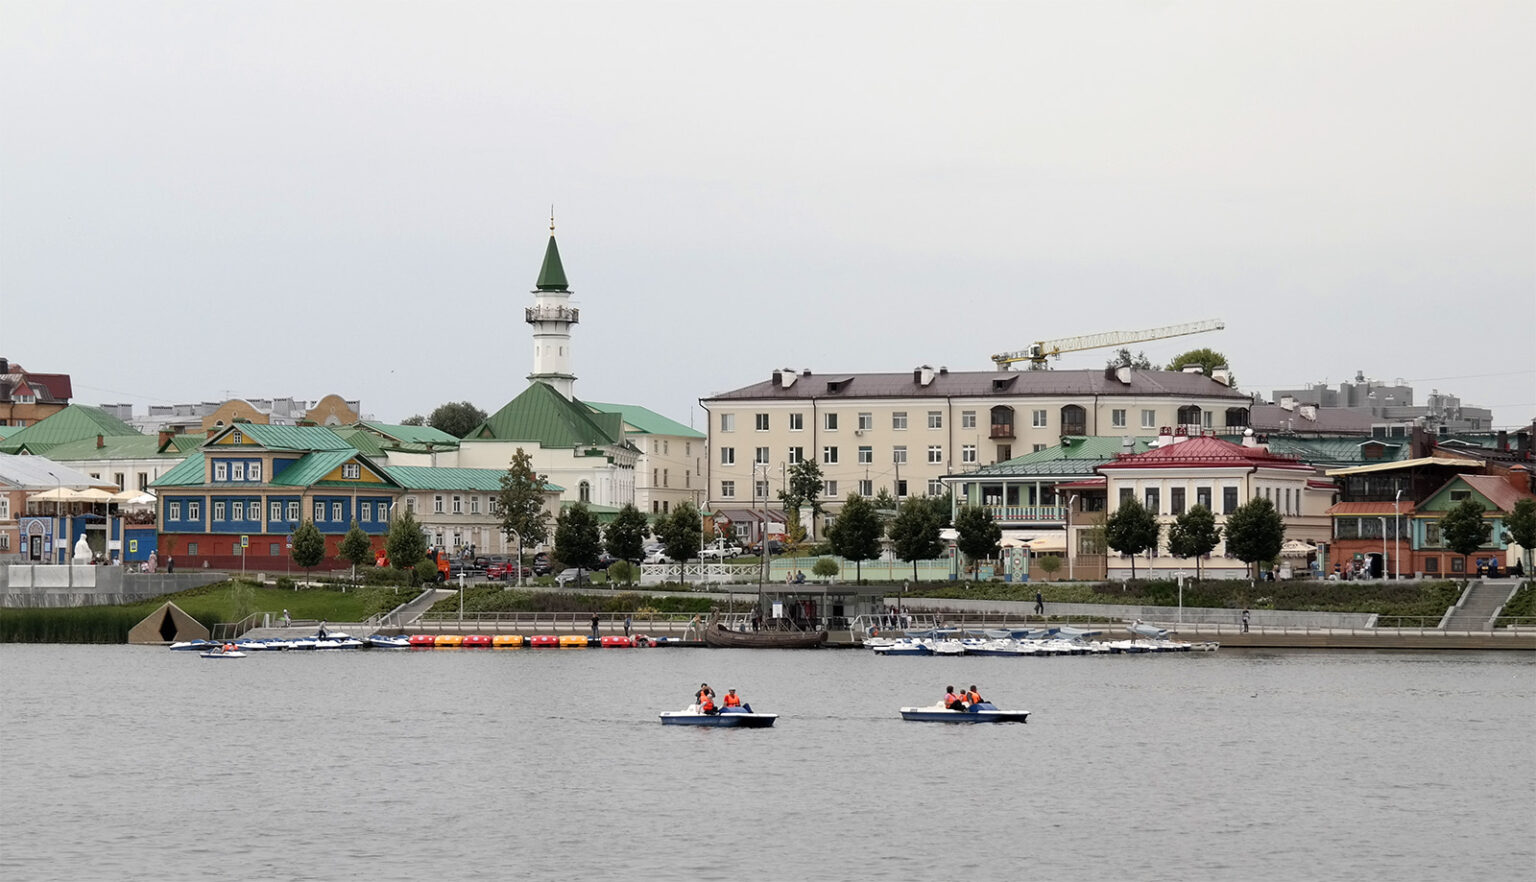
(203, 200)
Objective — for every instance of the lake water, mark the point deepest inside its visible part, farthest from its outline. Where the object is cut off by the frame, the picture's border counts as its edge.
(138, 763)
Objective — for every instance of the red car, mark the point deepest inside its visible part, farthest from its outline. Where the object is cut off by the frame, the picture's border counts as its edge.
(507, 572)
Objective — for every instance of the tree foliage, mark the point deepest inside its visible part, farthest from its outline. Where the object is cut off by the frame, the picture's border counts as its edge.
(1463, 529)
(356, 547)
(1123, 358)
(680, 532)
(457, 418)
(578, 541)
(406, 545)
(625, 536)
(825, 567)
(885, 502)
(1208, 359)
(803, 490)
(1521, 526)
(308, 547)
(979, 533)
(915, 532)
(1255, 532)
(855, 534)
(521, 502)
(1131, 530)
(415, 420)
(1194, 534)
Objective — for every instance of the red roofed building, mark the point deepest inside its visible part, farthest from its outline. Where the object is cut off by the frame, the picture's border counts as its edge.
(27, 397)
(1182, 472)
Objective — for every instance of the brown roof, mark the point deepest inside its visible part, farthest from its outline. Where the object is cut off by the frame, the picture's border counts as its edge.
(978, 384)
(1205, 452)
(1369, 508)
(1499, 491)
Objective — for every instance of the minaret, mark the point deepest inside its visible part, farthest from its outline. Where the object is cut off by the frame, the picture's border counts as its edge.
(551, 317)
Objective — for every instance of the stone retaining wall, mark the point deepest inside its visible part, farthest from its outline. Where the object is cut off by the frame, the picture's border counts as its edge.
(67, 585)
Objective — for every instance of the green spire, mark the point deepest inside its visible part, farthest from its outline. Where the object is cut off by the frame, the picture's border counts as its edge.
(552, 274)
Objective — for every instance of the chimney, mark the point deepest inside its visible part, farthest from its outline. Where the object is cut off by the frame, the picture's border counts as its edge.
(1287, 402)
(1164, 436)
(785, 378)
(922, 375)
(165, 437)
(100, 442)
(1309, 412)
(1222, 374)
(1503, 440)
(1249, 439)
(1519, 477)
(1123, 374)
(1192, 369)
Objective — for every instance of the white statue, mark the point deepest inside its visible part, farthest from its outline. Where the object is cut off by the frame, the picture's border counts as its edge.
(82, 551)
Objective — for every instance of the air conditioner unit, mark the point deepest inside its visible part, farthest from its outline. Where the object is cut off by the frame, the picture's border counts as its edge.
(858, 432)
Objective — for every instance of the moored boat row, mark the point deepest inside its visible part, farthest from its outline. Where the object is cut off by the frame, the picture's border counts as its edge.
(1026, 642)
(339, 640)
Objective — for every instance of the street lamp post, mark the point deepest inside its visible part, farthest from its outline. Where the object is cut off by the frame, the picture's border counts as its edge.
(1071, 500)
(1397, 535)
(58, 524)
(1383, 547)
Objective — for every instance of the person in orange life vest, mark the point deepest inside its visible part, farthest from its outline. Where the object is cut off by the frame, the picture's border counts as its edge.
(731, 699)
(698, 697)
(973, 697)
(707, 705)
(953, 701)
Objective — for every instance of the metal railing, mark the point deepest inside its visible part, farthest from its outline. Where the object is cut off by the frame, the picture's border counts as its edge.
(233, 630)
(686, 625)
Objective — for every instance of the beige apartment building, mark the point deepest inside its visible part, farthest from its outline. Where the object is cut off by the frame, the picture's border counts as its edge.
(904, 431)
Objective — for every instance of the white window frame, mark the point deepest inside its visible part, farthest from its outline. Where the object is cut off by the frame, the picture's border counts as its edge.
(866, 455)
(727, 422)
(967, 419)
(1039, 418)
(336, 515)
(829, 421)
(762, 422)
(866, 487)
(458, 504)
(221, 471)
(237, 510)
(797, 422)
(935, 453)
(1118, 418)
(437, 504)
(829, 489)
(829, 455)
(761, 455)
(1148, 418)
(935, 419)
(899, 420)
(293, 510)
(237, 471)
(935, 487)
(866, 420)
(195, 510)
(727, 489)
(173, 511)
(727, 456)
(796, 455)
(899, 454)
(275, 511)
(351, 470)
(220, 510)
(968, 453)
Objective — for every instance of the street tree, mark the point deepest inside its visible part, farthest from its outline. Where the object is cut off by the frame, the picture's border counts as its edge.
(414, 420)
(356, 548)
(1194, 534)
(914, 533)
(578, 541)
(979, 534)
(521, 503)
(1463, 529)
(803, 491)
(625, 536)
(406, 545)
(680, 532)
(308, 547)
(825, 567)
(1208, 359)
(456, 418)
(1131, 530)
(1123, 358)
(1521, 526)
(1255, 533)
(855, 533)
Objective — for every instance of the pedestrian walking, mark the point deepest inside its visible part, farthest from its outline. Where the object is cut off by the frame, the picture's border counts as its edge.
(287, 622)
(594, 626)
(1245, 620)
(626, 626)
(1039, 604)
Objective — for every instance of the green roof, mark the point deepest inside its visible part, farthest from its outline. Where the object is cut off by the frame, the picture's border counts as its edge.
(73, 423)
(113, 447)
(1078, 456)
(644, 421)
(311, 468)
(1334, 452)
(361, 439)
(290, 437)
(6, 430)
(411, 434)
(543, 416)
(552, 274)
(185, 443)
(602, 514)
(440, 478)
(189, 473)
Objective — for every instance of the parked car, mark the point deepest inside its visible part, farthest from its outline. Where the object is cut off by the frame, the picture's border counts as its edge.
(658, 557)
(720, 549)
(541, 565)
(507, 571)
(575, 575)
(774, 547)
(604, 561)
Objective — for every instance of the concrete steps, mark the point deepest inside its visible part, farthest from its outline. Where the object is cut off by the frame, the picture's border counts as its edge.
(1482, 598)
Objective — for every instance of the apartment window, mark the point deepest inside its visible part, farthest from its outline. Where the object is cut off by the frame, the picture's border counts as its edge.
(1175, 500)
(118, 479)
(655, 477)
(437, 505)
(901, 489)
(219, 510)
(490, 504)
(195, 511)
(1004, 452)
(1127, 494)
(687, 477)
(458, 505)
(760, 490)
(666, 479)
(365, 511)
(1154, 500)
(727, 456)
(968, 453)
(474, 505)
(236, 438)
(351, 470)
(1036, 448)
(1458, 564)
(1037, 418)
(935, 487)
(935, 453)
(1432, 565)
(727, 422)
(173, 511)
(221, 471)
(1431, 534)
(1149, 419)
(967, 419)
(866, 421)
(1117, 418)
(336, 512)
(1203, 497)
(830, 422)
(866, 488)
(1460, 495)
(655, 445)
(829, 455)
(899, 420)
(829, 488)
(796, 422)
(761, 422)
(727, 489)
(237, 471)
(237, 510)
(192, 548)
(866, 455)
(584, 491)
(410, 504)
(899, 455)
(796, 454)
(143, 481)
(760, 456)
(253, 472)
(935, 419)
(1228, 500)
(276, 511)
(293, 510)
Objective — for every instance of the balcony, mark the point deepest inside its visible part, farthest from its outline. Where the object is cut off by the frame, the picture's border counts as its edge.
(551, 314)
(1001, 431)
(1028, 514)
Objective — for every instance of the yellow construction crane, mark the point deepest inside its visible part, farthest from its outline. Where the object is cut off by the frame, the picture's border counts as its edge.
(1038, 352)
